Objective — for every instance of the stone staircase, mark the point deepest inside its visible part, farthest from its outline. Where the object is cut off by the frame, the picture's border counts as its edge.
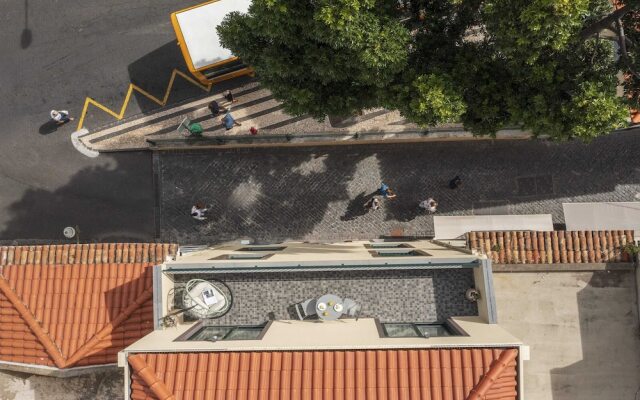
(255, 107)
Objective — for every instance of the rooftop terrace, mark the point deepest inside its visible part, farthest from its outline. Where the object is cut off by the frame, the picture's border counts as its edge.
(415, 295)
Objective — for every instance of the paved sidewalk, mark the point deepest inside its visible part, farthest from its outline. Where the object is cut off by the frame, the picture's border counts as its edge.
(257, 108)
(317, 194)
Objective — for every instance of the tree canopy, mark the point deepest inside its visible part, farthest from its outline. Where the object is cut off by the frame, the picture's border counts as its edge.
(489, 64)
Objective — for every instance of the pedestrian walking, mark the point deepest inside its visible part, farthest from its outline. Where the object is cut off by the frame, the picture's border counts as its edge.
(372, 204)
(60, 117)
(429, 205)
(455, 182)
(386, 191)
(229, 96)
(216, 109)
(228, 121)
(253, 130)
(198, 211)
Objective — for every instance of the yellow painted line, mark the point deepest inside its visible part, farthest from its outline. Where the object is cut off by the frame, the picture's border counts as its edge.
(89, 101)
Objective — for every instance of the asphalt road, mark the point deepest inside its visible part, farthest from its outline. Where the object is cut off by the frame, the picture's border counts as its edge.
(52, 55)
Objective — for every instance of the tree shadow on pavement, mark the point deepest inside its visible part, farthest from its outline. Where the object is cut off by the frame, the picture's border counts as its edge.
(291, 193)
(356, 207)
(111, 202)
(265, 196)
(515, 176)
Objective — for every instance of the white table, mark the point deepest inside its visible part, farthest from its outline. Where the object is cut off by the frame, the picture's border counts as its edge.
(329, 307)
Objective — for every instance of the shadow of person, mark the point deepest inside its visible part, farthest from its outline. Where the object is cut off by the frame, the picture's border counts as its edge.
(355, 208)
(410, 213)
(48, 127)
(26, 38)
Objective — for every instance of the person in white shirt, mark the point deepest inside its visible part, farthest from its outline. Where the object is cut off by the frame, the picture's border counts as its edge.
(60, 117)
(372, 204)
(429, 204)
(198, 212)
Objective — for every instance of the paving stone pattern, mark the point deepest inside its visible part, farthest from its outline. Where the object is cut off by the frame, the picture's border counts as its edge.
(391, 296)
(256, 107)
(269, 195)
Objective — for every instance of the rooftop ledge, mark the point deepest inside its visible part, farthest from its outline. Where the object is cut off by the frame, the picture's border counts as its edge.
(348, 334)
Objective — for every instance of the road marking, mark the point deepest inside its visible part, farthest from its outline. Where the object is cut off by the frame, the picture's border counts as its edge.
(77, 143)
(138, 89)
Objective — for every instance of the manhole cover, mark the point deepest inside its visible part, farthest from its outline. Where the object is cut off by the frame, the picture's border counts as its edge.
(69, 232)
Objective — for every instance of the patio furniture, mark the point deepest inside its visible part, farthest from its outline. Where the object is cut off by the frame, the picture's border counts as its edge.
(351, 308)
(305, 309)
(329, 307)
(206, 299)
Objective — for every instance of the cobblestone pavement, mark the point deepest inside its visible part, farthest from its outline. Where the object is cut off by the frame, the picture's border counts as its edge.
(317, 194)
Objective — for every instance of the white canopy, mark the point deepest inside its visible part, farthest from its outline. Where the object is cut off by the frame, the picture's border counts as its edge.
(198, 27)
(602, 216)
(453, 227)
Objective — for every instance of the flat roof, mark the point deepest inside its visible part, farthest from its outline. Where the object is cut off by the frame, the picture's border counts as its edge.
(453, 227)
(602, 216)
(198, 27)
(342, 334)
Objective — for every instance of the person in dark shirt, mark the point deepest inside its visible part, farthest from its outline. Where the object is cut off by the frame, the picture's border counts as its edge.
(216, 109)
(455, 182)
(229, 96)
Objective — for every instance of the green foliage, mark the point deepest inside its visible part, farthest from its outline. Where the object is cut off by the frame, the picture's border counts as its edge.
(595, 110)
(631, 249)
(631, 64)
(489, 64)
(430, 99)
(524, 28)
(320, 57)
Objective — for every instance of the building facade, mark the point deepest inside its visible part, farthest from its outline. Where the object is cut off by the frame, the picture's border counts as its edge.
(425, 327)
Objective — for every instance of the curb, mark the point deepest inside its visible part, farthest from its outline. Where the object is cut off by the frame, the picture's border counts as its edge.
(77, 143)
(327, 139)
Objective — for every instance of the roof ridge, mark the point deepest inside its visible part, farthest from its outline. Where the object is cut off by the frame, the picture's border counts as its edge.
(495, 370)
(86, 253)
(148, 375)
(82, 351)
(44, 338)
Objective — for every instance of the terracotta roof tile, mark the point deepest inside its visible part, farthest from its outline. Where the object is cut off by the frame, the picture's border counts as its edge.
(444, 374)
(73, 315)
(530, 247)
(94, 253)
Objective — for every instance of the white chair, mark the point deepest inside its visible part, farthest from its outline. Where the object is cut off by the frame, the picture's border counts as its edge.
(205, 299)
(351, 308)
(306, 308)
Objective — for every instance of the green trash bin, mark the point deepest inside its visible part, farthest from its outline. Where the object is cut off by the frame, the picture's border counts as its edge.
(196, 129)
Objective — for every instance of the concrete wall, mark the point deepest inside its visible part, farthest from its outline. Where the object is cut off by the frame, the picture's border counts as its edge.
(309, 252)
(582, 328)
(340, 334)
(98, 386)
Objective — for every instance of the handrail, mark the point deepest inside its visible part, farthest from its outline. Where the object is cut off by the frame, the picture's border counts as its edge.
(291, 138)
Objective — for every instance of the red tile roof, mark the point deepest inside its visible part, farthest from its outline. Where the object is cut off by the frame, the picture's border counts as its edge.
(443, 374)
(552, 247)
(73, 315)
(94, 253)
